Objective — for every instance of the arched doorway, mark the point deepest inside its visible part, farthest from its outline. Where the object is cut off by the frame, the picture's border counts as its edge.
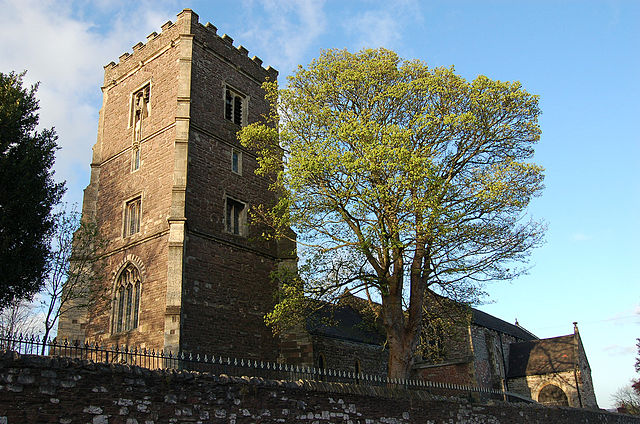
(553, 395)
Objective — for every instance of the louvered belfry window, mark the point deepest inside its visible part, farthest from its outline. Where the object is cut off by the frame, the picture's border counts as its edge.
(233, 106)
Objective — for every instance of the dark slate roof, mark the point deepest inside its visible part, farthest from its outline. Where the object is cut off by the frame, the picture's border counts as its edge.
(544, 356)
(343, 322)
(483, 319)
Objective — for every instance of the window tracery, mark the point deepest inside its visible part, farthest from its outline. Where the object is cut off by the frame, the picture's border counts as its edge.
(140, 110)
(126, 300)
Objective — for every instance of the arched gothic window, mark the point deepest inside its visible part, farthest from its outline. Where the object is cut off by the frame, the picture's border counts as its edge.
(126, 300)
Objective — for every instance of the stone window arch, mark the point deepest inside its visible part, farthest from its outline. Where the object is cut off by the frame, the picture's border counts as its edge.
(126, 300)
(553, 395)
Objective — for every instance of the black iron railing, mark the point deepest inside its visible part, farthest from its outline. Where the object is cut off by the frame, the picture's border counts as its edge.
(152, 359)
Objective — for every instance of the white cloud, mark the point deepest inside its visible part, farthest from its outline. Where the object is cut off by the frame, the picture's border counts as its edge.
(285, 29)
(618, 350)
(382, 27)
(625, 317)
(66, 54)
(375, 29)
(580, 237)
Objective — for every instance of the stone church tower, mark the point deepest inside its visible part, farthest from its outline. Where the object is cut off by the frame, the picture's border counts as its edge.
(170, 188)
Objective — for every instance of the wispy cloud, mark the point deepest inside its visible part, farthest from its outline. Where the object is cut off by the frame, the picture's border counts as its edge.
(619, 350)
(382, 27)
(580, 237)
(625, 317)
(283, 30)
(375, 29)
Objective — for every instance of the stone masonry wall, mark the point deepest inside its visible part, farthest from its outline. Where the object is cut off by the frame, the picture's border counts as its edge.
(296, 347)
(55, 390)
(227, 288)
(113, 182)
(587, 391)
(489, 347)
(455, 373)
(531, 385)
(342, 355)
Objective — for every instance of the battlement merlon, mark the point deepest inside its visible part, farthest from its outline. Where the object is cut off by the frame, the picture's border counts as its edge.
(206, 35)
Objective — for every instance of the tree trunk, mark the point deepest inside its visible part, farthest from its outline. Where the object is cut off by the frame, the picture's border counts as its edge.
(47, 330)
(400, 357)
(401, 341)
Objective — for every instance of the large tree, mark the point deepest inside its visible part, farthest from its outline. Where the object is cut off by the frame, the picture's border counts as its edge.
(399, 178)
(28, 190)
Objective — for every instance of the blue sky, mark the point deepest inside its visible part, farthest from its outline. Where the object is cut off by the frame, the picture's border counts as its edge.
(581, 57)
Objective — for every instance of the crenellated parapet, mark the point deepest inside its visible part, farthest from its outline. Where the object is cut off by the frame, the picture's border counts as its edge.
(205, 35)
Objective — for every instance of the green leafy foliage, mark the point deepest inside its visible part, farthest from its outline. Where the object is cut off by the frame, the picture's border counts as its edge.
(292, 305)
(398, 177)
(28, 190)
(445, 323)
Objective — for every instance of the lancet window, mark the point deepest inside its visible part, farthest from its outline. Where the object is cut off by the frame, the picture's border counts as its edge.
(140, 110)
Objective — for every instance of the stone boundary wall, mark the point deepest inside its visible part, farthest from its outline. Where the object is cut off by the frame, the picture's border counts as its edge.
(35, 389)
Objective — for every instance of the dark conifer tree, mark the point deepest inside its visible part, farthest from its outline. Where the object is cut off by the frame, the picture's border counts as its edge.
(28, 191)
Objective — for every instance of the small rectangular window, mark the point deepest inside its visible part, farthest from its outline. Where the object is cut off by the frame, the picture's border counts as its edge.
(236, 161)
(235, 218)
(234, 105)
(132, 217)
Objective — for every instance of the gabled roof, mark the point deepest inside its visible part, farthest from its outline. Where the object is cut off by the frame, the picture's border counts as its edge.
(343, 322)
(543, 356)
(483, 319)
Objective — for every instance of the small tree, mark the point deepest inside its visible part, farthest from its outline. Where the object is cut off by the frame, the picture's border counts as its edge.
(397, 178)
(28, 191)
(74, 266)
(627, 400)
(636, 383)
(18, 317)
